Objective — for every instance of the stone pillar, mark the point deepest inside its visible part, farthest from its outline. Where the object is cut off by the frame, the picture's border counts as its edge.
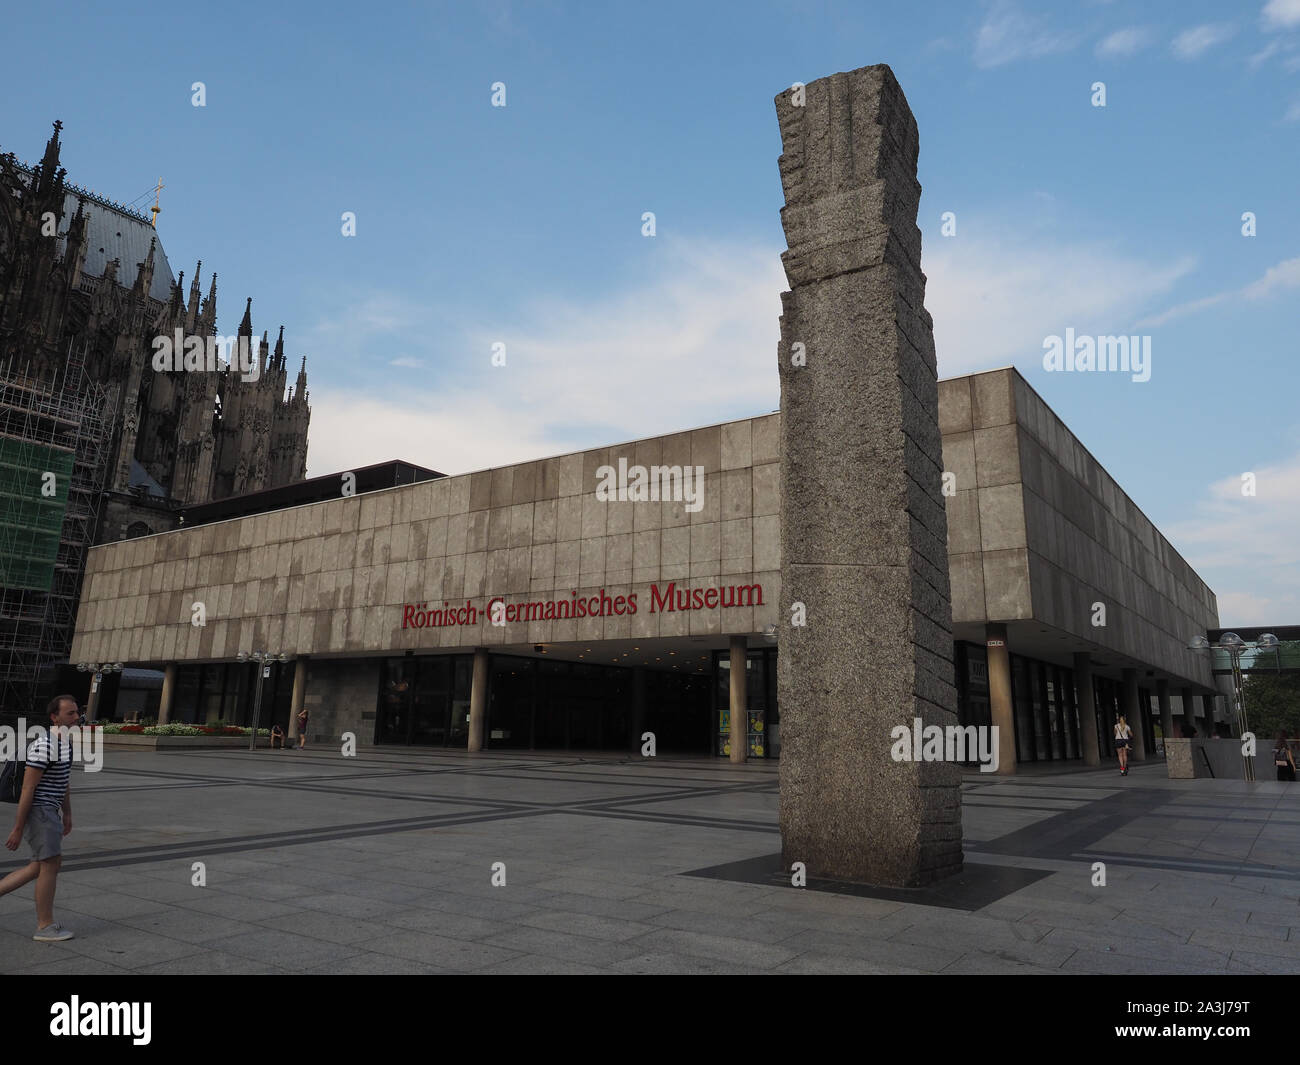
(478, 699)
(638, 707)
(1189, 710)
(168, 693)
(1001, 706)
(737, 659)
(1087, 701)
(1166, 710)
(1207, 712)
(863, 527)
(92, 700)
(298, 697)
(1132, 711)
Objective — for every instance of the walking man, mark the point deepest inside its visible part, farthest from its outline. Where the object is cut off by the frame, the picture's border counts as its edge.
(45, 816)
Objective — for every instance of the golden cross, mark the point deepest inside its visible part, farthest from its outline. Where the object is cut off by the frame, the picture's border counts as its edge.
(155, 208)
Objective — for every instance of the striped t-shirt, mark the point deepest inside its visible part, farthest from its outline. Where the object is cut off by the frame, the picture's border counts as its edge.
(54, 757)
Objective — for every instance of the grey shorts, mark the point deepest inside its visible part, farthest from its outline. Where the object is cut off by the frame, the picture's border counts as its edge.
(44, 832)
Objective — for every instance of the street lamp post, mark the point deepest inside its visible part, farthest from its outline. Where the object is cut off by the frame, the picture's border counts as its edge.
(263, 660)
(98, 669)
(1236, 646)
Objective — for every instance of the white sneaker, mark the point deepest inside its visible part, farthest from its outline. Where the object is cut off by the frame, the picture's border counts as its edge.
(52, 933)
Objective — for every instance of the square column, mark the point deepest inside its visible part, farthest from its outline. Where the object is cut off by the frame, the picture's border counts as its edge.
(866, 641)
(1132, 711)
(168, 693)
(298, 698)
(738, 659)
(1087, 705)
(1166, 710)
(1207, 712)
(478, 699)
(1001, 706)
(1189, 710)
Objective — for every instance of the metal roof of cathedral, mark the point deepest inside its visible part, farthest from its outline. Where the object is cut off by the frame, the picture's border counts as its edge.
(112, 233)
(115, 231)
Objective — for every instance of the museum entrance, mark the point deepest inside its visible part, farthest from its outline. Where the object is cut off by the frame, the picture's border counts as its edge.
(545, 704)
(424, 701)
(549, 704)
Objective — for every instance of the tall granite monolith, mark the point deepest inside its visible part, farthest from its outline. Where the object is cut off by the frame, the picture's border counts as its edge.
(863, 528)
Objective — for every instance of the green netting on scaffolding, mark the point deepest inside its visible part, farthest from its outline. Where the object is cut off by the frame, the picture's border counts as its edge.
(34, 483)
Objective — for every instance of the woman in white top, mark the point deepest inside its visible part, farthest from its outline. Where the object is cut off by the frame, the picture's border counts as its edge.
(1123, 738)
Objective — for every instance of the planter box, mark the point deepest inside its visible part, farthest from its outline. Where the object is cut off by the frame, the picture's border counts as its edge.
(162, 743)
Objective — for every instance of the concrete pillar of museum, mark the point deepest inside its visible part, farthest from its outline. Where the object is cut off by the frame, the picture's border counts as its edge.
(1166, 711)
(1000, 704)
(478, 699)
(638, 707)
(1207, 713)
(738, 657)
(92, 700)
(1132, 711)
(168, 693)
(866, 610)
(298, 698)
(1189, 711)
(1087, 705)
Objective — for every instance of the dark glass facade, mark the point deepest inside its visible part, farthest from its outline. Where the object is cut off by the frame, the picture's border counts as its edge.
(1045, 711)
(424, 700)
(764, 715)
(223, 694)
(539, 704)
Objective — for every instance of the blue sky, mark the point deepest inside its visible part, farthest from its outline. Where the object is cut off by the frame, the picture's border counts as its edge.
(522, 225)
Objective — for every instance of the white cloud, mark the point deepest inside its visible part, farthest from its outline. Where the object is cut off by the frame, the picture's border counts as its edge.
(1285, 275)
(1264, 54)
(1194, 43)
(1247, 544)
(408, 362)
(1292, 113)
(694, 345)
(994, 299)
(1124, 42)
(1280, 14)
(1008, 34)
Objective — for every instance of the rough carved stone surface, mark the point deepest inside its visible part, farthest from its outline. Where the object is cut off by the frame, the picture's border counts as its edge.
(863, 527)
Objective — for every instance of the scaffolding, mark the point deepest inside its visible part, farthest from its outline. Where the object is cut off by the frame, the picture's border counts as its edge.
(54, 439)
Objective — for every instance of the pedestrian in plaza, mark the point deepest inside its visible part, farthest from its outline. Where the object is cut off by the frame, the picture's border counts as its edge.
(1123, 738)
(302, 728)
(277, 737)
(1283, 758)
(45, 816)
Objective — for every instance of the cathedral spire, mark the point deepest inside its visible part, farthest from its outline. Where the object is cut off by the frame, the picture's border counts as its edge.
(279, 350)
(144, 275)
(246, 326)
(178, 303)
(300, 389)
(50, 161)
(210, 307)
(192, 311)
(47, 183)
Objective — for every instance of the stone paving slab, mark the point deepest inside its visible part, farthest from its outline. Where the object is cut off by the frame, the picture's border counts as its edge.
(383, 864)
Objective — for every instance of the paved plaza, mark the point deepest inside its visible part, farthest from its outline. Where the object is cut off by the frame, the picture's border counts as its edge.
(383, 863)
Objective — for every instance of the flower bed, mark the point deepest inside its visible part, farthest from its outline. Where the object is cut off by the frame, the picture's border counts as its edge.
(115, 729)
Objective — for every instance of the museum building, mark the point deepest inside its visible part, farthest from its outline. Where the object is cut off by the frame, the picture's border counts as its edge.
(581, 601)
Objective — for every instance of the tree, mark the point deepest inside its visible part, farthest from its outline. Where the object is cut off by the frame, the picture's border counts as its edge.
(1273, 697)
